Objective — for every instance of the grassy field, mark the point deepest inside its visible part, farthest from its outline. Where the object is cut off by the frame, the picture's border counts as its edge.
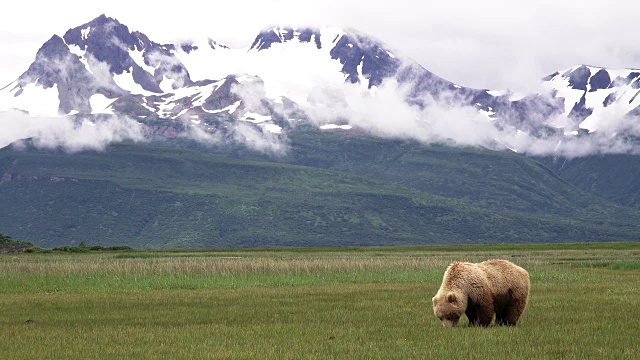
(356, 303)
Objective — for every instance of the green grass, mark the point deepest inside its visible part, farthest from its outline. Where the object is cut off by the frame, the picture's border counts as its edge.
(358, 303)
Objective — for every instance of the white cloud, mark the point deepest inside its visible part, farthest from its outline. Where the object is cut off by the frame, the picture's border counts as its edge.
(259, 139)
(251, 91)
(198, 134)
(65, 133)
(385, 113)
(168, 65)
(102, 74)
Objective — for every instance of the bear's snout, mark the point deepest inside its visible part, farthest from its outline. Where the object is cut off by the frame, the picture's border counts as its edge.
(449, 323)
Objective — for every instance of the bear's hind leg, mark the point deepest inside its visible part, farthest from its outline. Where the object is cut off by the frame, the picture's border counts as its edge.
(512, 314)
(501, 318)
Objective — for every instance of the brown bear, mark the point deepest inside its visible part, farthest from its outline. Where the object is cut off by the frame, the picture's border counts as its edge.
(481, 290)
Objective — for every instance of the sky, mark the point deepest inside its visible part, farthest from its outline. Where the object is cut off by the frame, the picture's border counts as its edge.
(493, 44)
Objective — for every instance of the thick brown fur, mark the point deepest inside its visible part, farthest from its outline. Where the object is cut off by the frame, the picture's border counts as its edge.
(480, 290)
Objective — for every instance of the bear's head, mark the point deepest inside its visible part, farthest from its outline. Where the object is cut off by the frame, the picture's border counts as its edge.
(449, 307)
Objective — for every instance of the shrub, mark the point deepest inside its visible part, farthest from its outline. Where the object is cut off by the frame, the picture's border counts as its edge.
(119, 247)
(37, 250)
(74, 249)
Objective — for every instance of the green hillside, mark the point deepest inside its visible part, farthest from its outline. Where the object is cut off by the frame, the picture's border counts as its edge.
(612, 177)
(386, 193)
(491, 179)
(486, 179)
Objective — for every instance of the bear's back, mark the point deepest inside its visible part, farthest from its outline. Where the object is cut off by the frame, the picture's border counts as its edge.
(503, 275)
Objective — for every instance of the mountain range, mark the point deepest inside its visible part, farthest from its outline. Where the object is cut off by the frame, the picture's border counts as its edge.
(286, 76)
(311, 136)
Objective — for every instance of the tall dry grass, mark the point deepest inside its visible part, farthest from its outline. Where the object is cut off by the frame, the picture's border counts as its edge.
(289, 263)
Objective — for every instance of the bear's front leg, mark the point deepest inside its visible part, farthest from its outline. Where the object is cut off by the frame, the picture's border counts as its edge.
(480, 310)
(472, 315)
(479, 315)
(484, 314)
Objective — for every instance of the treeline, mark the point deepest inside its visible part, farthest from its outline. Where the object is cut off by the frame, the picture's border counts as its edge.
(9, 245)
(84, 248)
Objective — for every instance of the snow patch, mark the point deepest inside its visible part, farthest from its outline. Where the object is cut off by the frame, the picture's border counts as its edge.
(85, 33)
(272, 128)
(46, 99)
(138, 58)
(516, 96)
(255, 117)
(496, 92)
(144, 104)
(166, 85)
(563, 90)
(182, 112)
(125, 81)
(245, 78)
(100, 104)
(230, 109)
(334, 126)
(81, 54)
(488, 114)
(292, 69)
(361, 77)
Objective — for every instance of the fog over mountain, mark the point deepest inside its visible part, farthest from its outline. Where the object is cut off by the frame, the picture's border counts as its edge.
(122, 84)
(66, 134)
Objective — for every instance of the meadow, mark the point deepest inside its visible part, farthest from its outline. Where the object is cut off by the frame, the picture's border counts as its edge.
(311, 303)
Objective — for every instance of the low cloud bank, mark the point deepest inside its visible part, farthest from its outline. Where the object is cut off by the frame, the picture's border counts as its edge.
(66, 133)
(384, 112)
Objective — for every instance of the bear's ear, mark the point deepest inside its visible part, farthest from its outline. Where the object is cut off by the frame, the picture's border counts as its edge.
(451, 297)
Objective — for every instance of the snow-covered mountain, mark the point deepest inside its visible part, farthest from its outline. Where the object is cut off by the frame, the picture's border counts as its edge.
(596, 98)
(102, 67)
